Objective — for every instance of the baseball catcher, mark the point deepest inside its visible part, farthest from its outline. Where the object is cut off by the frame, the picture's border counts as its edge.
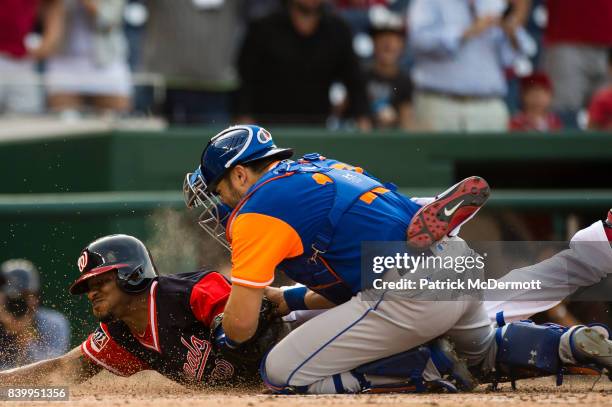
(309, 217)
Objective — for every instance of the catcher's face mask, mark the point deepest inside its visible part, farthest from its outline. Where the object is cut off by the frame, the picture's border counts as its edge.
(214, 214)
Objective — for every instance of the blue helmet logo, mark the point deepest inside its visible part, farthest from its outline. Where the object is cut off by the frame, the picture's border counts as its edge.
(237, 145)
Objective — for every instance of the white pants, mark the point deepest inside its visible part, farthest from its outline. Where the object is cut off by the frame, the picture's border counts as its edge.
(20, 90)
(440, 113)
(79, 75)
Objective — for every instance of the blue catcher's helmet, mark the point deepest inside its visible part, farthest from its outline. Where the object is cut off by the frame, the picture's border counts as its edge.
(235, 145)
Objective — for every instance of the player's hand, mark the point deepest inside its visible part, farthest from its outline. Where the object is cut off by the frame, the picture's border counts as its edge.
(275, 295)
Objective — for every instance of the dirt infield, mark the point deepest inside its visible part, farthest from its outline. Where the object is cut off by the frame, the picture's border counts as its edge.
(150, 389)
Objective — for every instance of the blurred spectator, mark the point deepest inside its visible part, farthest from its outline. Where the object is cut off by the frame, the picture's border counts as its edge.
(536, 115)
(255, 9)
(358, 13)
(600, 109)
(288, 62)
(91, 69)
(135, 16)
(363, 4)
(28, 332)
(535, 23)
(460, 50)
(576, 42)
(20, 92)
(389, 88)
(193, 45)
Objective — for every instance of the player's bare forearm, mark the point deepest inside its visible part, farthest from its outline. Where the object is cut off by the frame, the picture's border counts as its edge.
(72, 367)
(241, 313)
(317, 301)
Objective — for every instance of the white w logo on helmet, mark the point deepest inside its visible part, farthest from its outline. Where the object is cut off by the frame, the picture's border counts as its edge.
(82, 262)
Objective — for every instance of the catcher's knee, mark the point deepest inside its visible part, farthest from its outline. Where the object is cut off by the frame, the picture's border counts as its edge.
(276, 373)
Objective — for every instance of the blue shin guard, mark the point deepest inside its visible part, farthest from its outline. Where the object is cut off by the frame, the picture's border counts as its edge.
(525, 349)
(409, 367)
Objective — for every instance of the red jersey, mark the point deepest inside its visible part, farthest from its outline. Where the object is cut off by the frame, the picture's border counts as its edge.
(17, 18)
(579, 22)
(600, 110)
(208, 298)
(522, 122)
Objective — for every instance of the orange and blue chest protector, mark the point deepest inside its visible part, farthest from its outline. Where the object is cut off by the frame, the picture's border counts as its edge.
(309, 218)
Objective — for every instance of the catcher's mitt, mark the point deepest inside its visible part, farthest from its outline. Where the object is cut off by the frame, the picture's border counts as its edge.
(247, 356)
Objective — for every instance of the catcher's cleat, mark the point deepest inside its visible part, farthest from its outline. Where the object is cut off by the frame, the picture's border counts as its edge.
(453, 207)
(592, 347)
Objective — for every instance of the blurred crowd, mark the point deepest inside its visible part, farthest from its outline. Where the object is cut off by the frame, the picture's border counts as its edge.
(439, 65)
(28, 331)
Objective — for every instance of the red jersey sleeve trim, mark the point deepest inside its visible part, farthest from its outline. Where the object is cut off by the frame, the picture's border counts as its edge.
(102, 350)
(98, 362)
